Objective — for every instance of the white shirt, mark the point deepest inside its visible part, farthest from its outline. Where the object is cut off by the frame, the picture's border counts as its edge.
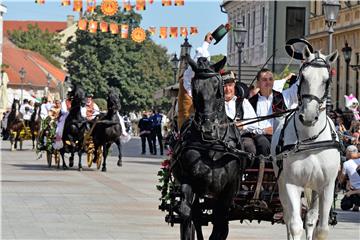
(26, 114)
(230, 109)
(189, 73)
(264, 104)
(44, 110)
(349, 169)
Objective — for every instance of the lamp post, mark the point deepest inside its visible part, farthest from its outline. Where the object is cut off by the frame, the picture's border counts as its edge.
(175, 66)
(239, 37)
(347, 57)
(22, 73)
(331, 11)
(357, 69)
(185, 48)
(48, 78)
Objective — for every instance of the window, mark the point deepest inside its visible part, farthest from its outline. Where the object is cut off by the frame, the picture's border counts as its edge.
(315, 8)
(248, 30)
(253, 29)
(262, 24)
(295, 22)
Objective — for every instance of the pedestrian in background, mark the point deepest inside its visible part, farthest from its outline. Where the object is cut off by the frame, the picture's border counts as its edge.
(156, 119)
(145, 126)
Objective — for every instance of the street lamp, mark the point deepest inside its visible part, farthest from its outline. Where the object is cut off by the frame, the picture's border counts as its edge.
(331, 11)
(22, 73)
(347, 57)
(175, 65)
(239, 37)
(48, 78)
(185, 49)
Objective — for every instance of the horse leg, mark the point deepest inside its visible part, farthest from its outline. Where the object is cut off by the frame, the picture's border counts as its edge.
(80, 164)
(326, 197)
(186, 230)
(106, 147)
(118, 143)
(62, 153)
(196, 216)
(295, 224)
(312, 214)
(282, 196)
(12, 140)
(71, 159)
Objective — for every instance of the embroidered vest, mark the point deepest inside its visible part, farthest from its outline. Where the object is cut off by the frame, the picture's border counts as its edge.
(90, 110)
(278, 104)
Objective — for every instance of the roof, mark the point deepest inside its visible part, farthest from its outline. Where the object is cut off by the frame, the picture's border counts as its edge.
(54, 27)
(35, 65)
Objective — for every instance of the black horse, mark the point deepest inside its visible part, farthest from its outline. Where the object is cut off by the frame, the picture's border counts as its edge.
(15, 124)
(107, 130)
(206, 160)
(74, 128)
(35, 123)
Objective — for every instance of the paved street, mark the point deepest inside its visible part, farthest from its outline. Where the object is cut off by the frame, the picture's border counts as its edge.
(43, 203)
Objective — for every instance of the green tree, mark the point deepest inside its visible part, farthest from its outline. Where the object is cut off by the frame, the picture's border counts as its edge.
(46, 43)
(100, 61)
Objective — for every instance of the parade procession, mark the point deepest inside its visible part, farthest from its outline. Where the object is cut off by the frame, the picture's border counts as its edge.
(180, 119)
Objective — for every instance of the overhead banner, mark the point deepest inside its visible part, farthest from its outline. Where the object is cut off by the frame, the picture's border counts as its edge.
(90, 5)
(140, 5)
(77, 5)
(65, 2)
(163, 32)
(124, 30)
(82, 24)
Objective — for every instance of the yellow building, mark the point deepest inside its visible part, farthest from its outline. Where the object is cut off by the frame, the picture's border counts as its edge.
(347, 29)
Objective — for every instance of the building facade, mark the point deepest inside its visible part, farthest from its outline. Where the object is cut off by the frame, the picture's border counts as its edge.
(347, 29)
(269, 25)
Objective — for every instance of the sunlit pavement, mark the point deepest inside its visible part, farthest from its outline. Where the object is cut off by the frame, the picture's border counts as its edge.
(49, 203)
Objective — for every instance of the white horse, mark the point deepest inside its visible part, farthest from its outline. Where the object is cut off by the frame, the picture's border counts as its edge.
(306, 150)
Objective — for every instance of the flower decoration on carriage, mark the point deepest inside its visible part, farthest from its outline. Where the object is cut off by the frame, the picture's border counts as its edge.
(352, 103)
(166, 181)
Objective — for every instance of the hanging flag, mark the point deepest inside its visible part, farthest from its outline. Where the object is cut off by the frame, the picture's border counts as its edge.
(114, 28)
(103, 26)
(140, 5)
(179, 2)
(166, 3)
(40, 1)
(163, 32)
(152, 30)
(127, 5)
(173, 32)
(138, 35)
(82, 24)
(109, 7)
(183, 32)
(193, 30)
(93, 26)
(90, 5)
(151, 1)
(124, 30)
(65, 2)
(77, 5)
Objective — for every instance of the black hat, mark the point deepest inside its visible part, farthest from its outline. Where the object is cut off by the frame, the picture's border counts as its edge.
(294, 47)
(228, 77)
(220, 32)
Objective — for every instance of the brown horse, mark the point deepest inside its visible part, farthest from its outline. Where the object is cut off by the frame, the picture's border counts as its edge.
(35, 123)
(15, 125)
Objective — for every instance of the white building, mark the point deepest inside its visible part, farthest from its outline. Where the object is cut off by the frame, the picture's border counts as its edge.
(3, 10)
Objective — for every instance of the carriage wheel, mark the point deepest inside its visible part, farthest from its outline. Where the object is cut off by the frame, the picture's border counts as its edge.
(49, 158)
(187, 230)
(99, 157)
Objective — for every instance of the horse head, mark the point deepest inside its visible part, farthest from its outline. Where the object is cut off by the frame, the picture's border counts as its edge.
(208, 93)
(78, 97)
(113, 101)
(314, 85)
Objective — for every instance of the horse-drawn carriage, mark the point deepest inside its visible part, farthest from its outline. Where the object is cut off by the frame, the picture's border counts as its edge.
(207, 179)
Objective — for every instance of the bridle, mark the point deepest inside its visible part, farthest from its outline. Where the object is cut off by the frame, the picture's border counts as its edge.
(317, 62)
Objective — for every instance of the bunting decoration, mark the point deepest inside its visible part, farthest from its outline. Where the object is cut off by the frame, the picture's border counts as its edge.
(183, 32)
(40, 1)
(193, 30)
(127, 5)
(104, 26)
(138, 35)
(163, 32)
(65, 2)
(179, 3)
(93, 26)
(124, 30)
(82, 24)
(114, 28)
(109, 7)
(140, 5)
(152, 31)
(77, 5)
(166, 3)
(173, 32)
(90, 5)
(151, 1)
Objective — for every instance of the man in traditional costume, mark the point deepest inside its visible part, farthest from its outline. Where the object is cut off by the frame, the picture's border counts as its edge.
(26, 111)
(92, 109)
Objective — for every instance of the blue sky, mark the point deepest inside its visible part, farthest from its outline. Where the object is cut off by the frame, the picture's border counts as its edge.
(204, 14)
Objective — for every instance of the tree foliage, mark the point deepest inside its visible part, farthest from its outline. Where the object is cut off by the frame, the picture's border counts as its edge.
(34, 39)
(100, 61)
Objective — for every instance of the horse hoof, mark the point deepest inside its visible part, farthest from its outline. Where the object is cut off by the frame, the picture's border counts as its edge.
(71, 162)
(119, 163)
(80, 169)
(65, 167)
(103, 169)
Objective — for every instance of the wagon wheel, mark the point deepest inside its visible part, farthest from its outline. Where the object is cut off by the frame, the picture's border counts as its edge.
(90, 156)
(187, 230)
(89, 150)
(49, 158)
(57, 157)
(99, 157)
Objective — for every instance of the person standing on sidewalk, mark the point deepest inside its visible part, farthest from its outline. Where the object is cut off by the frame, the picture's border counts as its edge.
(145, 126)
(156, 131)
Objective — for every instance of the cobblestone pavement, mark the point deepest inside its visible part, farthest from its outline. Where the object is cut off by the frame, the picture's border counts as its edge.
(48, 203)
